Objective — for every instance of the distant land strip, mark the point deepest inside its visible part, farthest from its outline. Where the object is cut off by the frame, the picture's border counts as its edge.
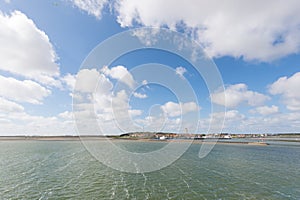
(161, 136)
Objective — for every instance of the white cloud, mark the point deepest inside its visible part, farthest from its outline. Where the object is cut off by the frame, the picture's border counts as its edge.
(236, 122)
(69, 80)
(157, 123)
(92, 7)
(173, 109)
(21, 123)
(112, 108)
(9, 106)
(254, 30)
(289, 89)
(233, 115)
(180, 71)
(265, 110)
(26, 50)
(67, 115)
(89, 81)
(276, 123)
(94, 97)
(114, 112)
(134, 113)
(229, 121)
(234, 95)
(119, 73)
(94, 88)
(146, 36)
(234, 28)
(139, 95)
(229, 115)
(22, 91)
(144, 82)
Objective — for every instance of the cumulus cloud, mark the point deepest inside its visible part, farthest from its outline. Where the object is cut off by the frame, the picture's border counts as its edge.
(89, 81)
(114, 112)
(237, 122)
(69, 80)
(144, 82)
(26, 50)
(29, 62)
(157, 122)
(288, 88)
(119, 73)
(253, 30)
(111, 107)
(234, 95)
(22, 123)
(180, 71)
(139, 95)
(22, 91)
(222, 121)
(94, 98)
(134, 113)
(9, 106)
(265, 110)
(92, 7)
(173, 109)
(67, 115)
(230, 115)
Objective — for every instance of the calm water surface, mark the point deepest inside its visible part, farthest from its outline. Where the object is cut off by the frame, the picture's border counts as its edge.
(65, 170)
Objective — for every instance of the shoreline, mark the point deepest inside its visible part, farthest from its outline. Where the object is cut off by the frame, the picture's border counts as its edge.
(251, 141)
(87, 138)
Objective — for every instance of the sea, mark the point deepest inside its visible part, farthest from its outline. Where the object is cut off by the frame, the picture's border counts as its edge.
(66, 170)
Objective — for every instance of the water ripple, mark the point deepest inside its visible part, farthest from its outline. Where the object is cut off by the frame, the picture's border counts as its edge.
(64, 170)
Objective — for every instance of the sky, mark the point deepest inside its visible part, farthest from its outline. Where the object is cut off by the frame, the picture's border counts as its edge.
(54, 78)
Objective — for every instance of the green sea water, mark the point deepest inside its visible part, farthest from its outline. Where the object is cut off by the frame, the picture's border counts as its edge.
(65, 170)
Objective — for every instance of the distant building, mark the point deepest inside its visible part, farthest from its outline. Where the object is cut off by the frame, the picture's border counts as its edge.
(162, 137)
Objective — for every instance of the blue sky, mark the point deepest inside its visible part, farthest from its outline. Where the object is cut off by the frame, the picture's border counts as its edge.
(44, 44)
